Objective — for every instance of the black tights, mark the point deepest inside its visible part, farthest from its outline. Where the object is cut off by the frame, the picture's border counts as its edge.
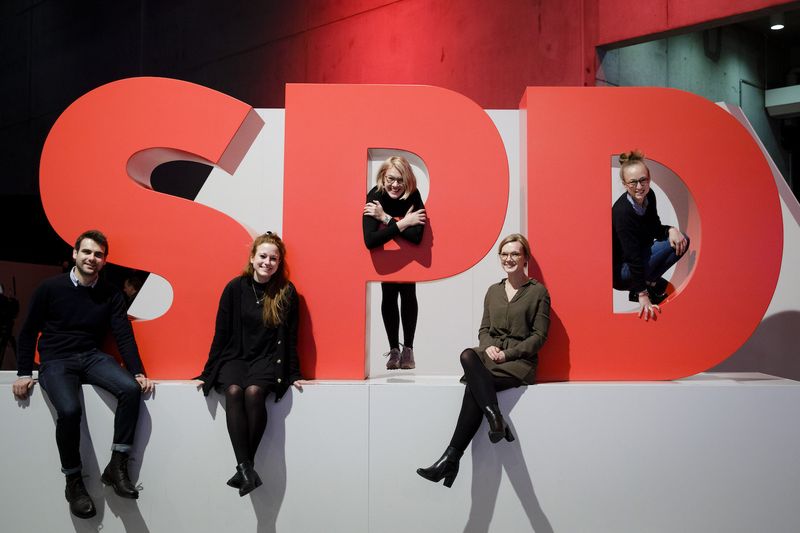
(408, 311)
(481, 391)
(246, 414)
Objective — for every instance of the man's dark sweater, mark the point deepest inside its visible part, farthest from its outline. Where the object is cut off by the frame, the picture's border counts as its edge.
(74, 320)
(633, 235)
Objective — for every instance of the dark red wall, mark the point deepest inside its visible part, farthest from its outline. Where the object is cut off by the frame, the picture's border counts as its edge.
(52, 52)
(489, 51)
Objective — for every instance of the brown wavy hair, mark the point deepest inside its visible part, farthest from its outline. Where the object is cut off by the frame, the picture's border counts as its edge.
(276, 296)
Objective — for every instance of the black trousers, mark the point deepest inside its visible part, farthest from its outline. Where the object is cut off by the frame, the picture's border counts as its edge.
(409, 309)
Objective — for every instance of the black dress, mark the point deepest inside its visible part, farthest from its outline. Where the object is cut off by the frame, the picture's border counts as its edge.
(256, 363)
(228, 343)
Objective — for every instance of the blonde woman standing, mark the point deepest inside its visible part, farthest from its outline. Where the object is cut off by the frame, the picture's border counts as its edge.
(394, 208)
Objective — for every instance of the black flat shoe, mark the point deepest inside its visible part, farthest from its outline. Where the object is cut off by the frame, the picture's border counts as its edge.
(80, 503)
(656, 297)
(445, 468)
(660, 286)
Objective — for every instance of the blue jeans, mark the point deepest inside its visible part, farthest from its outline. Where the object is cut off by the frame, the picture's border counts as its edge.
(658, 260)
(61, 379)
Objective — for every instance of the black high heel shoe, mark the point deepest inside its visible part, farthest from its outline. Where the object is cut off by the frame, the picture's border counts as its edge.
(497, 426)
(445, 468)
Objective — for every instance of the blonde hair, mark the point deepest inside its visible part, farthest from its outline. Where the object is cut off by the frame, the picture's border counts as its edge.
(400, 164)
(628, 159)
(516, 237)
(276, 295)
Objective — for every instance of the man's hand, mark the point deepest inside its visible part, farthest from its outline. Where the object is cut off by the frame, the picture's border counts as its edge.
(146, 384)
(22, 387)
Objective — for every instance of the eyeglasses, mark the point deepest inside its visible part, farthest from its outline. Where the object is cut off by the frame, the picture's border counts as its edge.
(511, 255)
(634, 183)
(391, 180)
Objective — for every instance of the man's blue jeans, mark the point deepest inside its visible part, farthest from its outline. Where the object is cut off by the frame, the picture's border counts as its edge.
(62, 379)
(658, 260)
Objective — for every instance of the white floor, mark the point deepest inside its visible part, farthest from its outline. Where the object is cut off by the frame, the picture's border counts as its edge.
(715, 452)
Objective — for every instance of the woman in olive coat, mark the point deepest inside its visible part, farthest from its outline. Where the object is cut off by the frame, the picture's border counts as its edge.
(516, 317)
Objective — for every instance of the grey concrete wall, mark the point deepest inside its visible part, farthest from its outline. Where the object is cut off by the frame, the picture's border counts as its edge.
(711, 453)
(723, 65)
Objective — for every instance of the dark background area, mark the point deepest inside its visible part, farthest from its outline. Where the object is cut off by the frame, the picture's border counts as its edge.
(53, 51)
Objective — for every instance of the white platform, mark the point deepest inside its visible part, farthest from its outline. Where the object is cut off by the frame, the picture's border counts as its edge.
(715, 452)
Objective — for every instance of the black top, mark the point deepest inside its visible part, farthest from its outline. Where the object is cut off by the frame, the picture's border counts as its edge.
(258, 340)
(229, 342)
(633, 235)
(74, 320)
(377, 234)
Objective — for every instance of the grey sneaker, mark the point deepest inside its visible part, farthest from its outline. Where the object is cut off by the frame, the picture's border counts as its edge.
(394, 359)
(407, 359)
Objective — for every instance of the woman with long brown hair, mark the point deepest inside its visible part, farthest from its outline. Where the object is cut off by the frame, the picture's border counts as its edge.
(254, 351)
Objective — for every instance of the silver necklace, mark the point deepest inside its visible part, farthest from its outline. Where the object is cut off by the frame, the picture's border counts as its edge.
(259, 301)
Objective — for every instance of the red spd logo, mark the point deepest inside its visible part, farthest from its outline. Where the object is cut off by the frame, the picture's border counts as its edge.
(97, 160)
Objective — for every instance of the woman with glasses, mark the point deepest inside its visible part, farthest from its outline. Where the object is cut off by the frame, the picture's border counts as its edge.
(394, 208)
(643, 248)
(516, 317)
(254, 351)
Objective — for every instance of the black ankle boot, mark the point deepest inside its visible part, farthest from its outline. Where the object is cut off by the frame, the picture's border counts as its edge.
(446, 467)
(80, 503)
(660, 286)
(497, 426)
(116, 475)
(250, 478)
(236, 480)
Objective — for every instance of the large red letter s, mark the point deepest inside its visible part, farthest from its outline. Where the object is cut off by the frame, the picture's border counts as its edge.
(329, 129)
(122, 131)
(572, 134)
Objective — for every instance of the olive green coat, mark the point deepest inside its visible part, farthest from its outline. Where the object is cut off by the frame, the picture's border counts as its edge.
(518, 327)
